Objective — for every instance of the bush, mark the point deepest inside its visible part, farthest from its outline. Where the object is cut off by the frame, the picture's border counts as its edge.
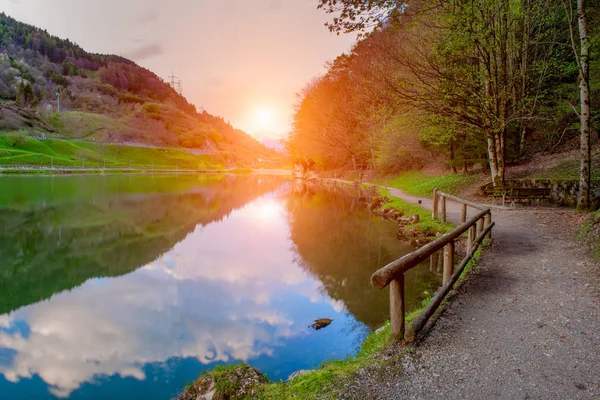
(131, 99)
(16, 139)
(151, 108)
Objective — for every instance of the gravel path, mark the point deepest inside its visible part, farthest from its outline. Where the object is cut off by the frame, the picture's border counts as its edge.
(526, 326)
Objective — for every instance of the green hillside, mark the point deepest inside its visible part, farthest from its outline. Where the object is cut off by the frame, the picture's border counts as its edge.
(104, 99)
(64, 153)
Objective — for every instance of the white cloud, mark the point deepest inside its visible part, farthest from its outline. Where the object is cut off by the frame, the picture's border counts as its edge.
(210, 298)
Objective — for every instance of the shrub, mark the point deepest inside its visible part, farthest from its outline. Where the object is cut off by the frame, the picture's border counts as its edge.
(151, 108)
(16, 139)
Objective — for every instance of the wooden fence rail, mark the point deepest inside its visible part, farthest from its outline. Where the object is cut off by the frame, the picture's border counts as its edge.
(479, 227)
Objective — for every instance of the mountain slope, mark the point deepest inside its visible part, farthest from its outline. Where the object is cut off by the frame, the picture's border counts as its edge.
(135, 104)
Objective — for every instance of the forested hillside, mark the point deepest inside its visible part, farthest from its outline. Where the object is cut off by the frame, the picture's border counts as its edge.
(105, 98)
(486, 82)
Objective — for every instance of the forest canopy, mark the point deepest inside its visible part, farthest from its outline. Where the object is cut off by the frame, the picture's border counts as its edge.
(485, 82)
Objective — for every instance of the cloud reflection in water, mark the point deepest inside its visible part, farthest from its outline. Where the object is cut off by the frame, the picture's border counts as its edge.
(212, 297)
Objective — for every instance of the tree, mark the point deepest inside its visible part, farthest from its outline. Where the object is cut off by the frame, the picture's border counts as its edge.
(16, 139)
(25, 94)
(583, 63)
(466, 63)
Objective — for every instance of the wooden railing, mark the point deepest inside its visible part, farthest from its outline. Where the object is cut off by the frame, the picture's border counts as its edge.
(479, 227)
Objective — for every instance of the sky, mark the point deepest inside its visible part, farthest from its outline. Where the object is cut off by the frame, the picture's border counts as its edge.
(243, 60)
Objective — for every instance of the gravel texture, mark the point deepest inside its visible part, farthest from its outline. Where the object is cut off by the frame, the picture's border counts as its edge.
(526, 325)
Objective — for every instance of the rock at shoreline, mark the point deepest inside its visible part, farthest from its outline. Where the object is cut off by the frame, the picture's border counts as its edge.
(298, 373)
(377, 202)
(226, 383)
(409, 220)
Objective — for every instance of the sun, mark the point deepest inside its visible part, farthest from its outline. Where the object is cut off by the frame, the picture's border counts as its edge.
(264, 118)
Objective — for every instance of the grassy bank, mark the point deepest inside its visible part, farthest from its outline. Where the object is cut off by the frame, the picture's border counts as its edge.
(417, 183)
(568, 170)
(63, 153)
(426, 226)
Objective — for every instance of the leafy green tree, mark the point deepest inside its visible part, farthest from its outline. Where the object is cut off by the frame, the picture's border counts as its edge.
(16, 139)
(483, 68)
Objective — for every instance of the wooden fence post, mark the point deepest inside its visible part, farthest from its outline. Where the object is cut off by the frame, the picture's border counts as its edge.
(435, 203)
(463, 213)
(448, 262)
(488, 222)
(397, 307)
(443, 209)
(471, 239)
(480, 226)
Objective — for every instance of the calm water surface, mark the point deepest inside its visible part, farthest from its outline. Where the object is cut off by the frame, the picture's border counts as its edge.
(128, 287)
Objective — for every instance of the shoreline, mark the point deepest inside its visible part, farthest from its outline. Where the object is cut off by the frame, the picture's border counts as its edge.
(308, 383)
(26, 170)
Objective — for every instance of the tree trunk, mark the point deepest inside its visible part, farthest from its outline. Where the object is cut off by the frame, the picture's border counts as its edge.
(503, 92)
(452, 160)
(524, 66)
(493, 158)
(500, 153)
(523, 139)
(583, 200)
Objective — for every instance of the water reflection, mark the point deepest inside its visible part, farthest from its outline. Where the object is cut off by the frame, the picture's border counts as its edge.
(341, 244)
(54, 236)
(231, 270)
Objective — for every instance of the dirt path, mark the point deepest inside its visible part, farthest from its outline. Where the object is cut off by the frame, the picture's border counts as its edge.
(527, 326)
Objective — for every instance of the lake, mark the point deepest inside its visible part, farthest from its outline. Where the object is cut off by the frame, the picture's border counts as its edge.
(127, 287)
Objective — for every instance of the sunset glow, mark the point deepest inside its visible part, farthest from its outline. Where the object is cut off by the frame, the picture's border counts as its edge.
(257, 60)
(264, 119)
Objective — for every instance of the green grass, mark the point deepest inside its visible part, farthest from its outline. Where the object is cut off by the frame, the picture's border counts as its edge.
(589, 233)
(426, 225)
(63, 153)
(79, 124)
(569, 170)
(418, 184)
(320, 382)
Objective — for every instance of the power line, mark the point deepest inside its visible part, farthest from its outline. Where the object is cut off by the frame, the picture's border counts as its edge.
(176, 83)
